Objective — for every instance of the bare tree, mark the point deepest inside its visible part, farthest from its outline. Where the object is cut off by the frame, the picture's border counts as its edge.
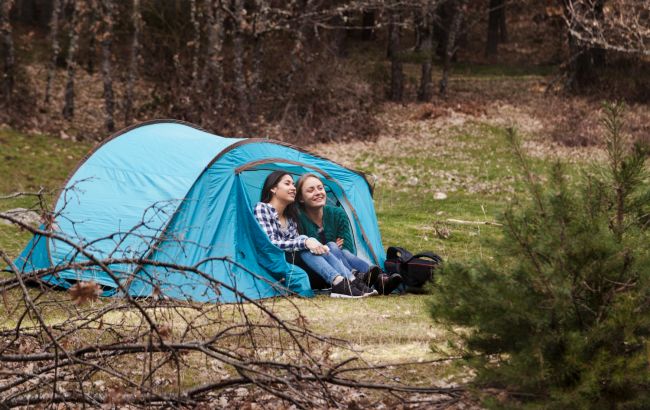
(7, 49)
(134, 58)
(300, 29)
(259, 27)
(56, 48)
(456, 7)
(107, 74)
(394, 52)
(212, 78)
(71, 61)
(496, 32)
(620, 26)
(239, 70)
(425, 92)
(195, 19)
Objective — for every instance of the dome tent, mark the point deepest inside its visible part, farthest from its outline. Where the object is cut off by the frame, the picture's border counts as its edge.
(170, 192)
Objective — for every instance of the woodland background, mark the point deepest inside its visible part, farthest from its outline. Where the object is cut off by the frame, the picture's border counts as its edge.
(305, 70)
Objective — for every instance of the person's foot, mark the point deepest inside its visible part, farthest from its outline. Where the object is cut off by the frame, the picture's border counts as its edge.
(363, 288)
(372, 275)
(344, 289)
(368, 278)
(387, 284)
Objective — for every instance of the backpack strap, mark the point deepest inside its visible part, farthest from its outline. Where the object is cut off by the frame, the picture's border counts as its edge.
(430, 255)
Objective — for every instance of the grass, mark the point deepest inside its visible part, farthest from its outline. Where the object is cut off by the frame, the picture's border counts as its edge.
(414, 159)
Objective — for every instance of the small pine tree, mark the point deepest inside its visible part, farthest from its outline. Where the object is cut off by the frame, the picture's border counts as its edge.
(561, 318)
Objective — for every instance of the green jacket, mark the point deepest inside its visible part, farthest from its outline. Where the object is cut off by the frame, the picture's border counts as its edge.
(335, 224)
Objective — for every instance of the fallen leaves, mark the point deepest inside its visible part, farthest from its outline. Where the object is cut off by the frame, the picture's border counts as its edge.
(84, 292)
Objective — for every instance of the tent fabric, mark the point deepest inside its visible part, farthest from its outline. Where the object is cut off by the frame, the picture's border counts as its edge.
(178, 195)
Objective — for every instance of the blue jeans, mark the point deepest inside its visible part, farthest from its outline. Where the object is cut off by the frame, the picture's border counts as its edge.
(327, 266)
(350, 260)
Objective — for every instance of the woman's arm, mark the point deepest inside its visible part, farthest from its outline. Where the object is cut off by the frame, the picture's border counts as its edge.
(343, 230)
(269, 223)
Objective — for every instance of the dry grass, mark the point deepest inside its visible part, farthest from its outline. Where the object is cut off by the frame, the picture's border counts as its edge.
(455, 146)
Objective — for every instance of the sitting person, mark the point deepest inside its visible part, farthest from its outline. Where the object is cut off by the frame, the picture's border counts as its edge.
(330, 225)
(277, 215)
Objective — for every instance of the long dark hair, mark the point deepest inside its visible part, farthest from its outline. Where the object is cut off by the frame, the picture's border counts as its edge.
(271, 181)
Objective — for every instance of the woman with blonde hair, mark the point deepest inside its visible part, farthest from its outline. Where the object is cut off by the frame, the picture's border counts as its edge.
(331, 226)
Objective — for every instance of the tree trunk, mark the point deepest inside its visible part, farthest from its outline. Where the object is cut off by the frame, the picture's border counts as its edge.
(496, 27)
(257, 60)
(7, 49)
(68, 107)
(241, 88)
(584, 58)
(503, 29)
(425, 92)
(339, 34)
(297, 53)
(90, 55)
(396, 73)
(450, 49)
(195, 15)
(107, 72)
(368, 21)
(56, 48)
(136, 19)
(212, 78)
(419, 26)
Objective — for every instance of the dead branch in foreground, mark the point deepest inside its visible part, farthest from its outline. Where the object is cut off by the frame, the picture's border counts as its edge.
(76, 348)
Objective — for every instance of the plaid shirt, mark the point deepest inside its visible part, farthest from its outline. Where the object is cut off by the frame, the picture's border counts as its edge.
(286, 239)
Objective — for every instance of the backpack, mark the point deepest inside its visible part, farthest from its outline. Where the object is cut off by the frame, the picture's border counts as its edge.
(416, 270)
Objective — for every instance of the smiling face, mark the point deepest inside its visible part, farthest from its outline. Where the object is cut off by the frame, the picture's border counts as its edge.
(285, 190)
(312, 193)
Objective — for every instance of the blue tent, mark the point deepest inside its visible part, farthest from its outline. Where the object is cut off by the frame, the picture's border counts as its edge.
(172, 193)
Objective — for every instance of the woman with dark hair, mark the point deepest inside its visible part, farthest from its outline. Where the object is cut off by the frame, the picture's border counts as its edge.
(331, 226)
(278, 216)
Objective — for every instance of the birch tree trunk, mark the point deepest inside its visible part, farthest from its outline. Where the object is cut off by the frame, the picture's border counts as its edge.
(136, 20)
(9, 61)
(68, 107)
(56, 48)
(212, 78)
(107, 72)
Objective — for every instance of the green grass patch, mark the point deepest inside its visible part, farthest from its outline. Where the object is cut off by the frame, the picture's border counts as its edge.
(35, 161)
(470, 162)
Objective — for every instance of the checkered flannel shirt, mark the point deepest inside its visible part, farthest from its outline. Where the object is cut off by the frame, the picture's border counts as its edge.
(286, 239)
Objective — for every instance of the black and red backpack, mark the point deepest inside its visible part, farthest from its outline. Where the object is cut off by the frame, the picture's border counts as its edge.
(416, 270)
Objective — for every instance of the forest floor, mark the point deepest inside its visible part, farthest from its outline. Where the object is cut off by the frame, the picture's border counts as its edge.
(435, 164)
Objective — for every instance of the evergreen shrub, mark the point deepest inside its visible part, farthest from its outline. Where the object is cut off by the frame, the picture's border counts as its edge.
(561, 317)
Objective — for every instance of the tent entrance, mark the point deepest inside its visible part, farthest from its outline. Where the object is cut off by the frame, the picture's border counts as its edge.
(254, 173)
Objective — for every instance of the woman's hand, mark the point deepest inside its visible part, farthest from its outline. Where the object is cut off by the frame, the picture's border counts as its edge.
(316, 247)
(339, 242)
